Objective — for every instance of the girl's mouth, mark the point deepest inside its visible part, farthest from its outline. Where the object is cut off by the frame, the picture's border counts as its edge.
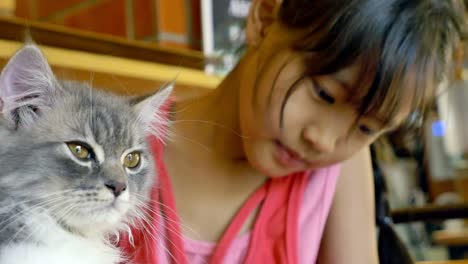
(287, 157)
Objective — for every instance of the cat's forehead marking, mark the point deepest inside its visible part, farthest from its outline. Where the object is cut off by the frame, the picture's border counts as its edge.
(98, 149)
(112, 127)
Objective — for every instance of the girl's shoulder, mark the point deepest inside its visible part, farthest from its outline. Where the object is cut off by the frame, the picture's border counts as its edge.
(317, 201)
(319, 193)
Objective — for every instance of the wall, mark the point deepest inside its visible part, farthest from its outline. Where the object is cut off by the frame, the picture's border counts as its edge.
(7, 7)
(170, 23)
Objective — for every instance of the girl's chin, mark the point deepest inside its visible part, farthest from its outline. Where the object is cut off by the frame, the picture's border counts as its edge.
(273, 170)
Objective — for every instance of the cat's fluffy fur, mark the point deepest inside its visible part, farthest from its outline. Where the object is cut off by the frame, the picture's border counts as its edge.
(54, 207)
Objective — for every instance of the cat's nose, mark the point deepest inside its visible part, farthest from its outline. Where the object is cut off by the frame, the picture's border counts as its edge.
(116, 187)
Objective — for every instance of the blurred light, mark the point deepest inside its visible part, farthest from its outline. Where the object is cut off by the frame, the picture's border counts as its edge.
(438, 128)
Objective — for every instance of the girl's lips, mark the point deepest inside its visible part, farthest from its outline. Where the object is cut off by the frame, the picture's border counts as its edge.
(287, 157)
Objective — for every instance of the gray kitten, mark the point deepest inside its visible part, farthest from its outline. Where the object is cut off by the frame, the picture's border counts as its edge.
(75, 166)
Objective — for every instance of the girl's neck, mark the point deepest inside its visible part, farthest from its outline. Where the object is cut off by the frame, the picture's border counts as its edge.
(206, 161)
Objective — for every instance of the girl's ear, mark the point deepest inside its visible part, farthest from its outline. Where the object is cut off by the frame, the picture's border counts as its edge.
(262, 14)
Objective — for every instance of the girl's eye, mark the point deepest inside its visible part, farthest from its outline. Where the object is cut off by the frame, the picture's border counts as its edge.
(80, 150)
(366, 130)
(323, 94)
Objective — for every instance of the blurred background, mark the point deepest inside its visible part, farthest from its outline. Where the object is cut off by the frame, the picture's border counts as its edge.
(131, 46)
(212, 27)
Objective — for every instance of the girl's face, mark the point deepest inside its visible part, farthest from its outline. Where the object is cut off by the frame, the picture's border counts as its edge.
(293, 122)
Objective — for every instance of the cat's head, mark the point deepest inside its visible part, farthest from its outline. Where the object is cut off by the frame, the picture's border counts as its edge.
(79, 153)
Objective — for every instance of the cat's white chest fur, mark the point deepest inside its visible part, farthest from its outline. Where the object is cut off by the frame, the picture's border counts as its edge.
(56, 246)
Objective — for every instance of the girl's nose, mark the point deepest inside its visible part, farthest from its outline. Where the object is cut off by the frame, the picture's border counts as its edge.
(319, 140)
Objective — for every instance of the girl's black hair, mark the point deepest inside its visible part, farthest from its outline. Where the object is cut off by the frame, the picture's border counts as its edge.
(405, 46)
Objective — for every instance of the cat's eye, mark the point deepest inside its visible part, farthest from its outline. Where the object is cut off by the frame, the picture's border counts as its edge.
(80, 150)
(132, 160)
(322, 93)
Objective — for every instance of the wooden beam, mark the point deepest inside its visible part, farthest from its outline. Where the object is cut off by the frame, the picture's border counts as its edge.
(451, 237)
(116, 66)
(59, 36)
(444, 262)
(429, 213)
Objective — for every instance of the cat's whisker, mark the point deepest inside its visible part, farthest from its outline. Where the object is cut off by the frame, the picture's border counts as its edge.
(142, 224)
(19, 231)
(130, 235)
(147, 225)
(157, 240)
(172, 135)
(237, 133)
(60, 212)
(144, 214)
(31, 210)
(41, 197)
(166, 207)
(91, 79)
(51, 204)
(36, 227)
(146, 208)
(91, 116)
(57, 203)
(121, 84)
(11, 220)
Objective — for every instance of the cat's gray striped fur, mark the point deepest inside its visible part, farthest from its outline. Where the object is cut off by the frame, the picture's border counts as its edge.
(54, 207)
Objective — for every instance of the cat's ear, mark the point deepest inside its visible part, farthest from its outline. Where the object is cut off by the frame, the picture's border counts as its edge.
(27, 87)
(151, 110)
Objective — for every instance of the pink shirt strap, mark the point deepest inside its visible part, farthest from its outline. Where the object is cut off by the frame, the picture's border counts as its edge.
(233, 230)
(173, 230)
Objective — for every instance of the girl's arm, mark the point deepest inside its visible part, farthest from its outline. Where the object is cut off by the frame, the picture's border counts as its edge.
(350, 233)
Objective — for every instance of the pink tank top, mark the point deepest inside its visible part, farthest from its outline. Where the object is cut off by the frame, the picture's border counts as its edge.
(304, 225)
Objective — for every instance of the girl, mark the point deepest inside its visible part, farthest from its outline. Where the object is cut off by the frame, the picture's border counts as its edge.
(273, 166)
